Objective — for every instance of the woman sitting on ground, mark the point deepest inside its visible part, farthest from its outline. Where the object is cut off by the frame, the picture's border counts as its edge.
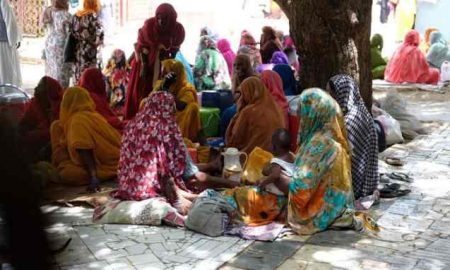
(257, 118)
(85, 148)
(34, 128)
(320, 191)
(210, 70)
(425, 45)
(439, 51)
(274, 84)
(93, 81)
(242, 69)
(378, 62)
(188, 111)
(153, 156)
(409, 65)
(288, 77)
(362, 135)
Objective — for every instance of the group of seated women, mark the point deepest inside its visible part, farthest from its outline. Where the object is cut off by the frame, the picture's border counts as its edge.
(413, 61)
(149, 158)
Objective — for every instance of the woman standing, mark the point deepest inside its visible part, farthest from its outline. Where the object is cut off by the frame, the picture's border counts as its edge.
(57, 19)
(88, 32)
(160, 38)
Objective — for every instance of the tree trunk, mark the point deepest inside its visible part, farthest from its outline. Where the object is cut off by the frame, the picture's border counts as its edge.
(332, 37)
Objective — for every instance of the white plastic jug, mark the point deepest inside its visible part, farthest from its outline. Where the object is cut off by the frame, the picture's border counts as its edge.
(445, 72)
(232, 168)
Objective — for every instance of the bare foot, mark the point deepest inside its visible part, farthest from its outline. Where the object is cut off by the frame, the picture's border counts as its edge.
(183, 205)
(168, 189)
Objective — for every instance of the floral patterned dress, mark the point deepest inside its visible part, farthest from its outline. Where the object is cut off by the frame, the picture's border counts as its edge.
(152, 147)
(54, 48)
(88, 32)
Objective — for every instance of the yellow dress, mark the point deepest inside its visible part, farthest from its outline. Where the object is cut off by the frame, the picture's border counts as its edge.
(405, 17)
(81, 127)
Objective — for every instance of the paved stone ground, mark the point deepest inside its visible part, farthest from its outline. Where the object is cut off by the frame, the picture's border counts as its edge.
(415, 233)
(415, 229)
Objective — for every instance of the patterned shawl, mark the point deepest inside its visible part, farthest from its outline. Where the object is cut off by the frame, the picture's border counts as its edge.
(152, 147)
(361, 132)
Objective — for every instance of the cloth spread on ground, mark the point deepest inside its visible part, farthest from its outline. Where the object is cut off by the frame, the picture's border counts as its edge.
(80, 127)
(362, 135)
(258, 114)
(268, 232)
(408, 64)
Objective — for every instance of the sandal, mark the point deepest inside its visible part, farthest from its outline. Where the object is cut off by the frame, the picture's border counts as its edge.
(400, 177)
(394, 161)
(393, 191)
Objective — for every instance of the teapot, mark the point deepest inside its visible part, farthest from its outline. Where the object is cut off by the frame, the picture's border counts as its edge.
(232, 168)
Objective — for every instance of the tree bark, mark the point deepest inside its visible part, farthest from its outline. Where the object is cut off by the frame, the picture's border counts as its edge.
(332, 37)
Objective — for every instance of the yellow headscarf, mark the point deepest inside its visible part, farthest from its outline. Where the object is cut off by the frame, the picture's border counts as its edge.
(77, 115)
(181, 82)
(89, 7)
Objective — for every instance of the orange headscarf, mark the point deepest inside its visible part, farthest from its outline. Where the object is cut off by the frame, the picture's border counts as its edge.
(257, 118)
(425, 45)
(89, 7)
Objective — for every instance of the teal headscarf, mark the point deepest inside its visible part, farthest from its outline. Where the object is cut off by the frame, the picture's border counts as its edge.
(439, 51)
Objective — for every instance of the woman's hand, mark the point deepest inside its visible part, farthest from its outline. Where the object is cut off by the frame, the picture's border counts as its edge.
(169, 80)
(94, 185)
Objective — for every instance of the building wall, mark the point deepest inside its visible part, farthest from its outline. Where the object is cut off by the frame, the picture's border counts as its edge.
(431, 14)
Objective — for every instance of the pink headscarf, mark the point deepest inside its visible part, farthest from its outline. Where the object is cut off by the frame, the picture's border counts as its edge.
(225, 48)
(408, 64)
(273, 82)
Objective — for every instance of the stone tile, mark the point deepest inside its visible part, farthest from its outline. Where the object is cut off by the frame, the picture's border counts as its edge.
(89, 231)
(174, 235)
(340, 238)
(427, 264)
(319, 266)
(337, 257)
(171, 245)
(293, 264)
(119, 264)
(441, 226)
(136, 249)
(283, 248)
(121, 244)
(146, 258)
(87, 266)
(208, 264)
(175, 259)
(148, 238)
(103, 252)
(255, 261)
(150, 266)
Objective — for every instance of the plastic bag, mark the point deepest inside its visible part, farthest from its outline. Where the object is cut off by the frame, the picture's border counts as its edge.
(397, 107)
(391, 128)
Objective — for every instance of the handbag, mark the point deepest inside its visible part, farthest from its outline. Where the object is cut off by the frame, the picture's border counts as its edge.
(69, 49)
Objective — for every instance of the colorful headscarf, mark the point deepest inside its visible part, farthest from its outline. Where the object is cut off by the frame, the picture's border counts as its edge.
(48, 95)
(321, 190)
(361, 132)
(181, 82)
(439, 51)
(75, 100)
(89, 7)
(152, 147)
(206, 42)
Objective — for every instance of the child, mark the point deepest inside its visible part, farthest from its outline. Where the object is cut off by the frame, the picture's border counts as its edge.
(279, 171)
(116, 73)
